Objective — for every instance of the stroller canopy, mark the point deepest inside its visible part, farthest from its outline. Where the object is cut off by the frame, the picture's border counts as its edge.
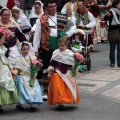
(78, 31)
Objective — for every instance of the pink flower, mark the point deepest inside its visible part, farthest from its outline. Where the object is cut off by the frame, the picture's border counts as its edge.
(6, 32)
(7, 35)
(34, 62)
(79, 57)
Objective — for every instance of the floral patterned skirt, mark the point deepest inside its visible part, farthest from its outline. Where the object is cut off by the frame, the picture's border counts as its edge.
(8, 97)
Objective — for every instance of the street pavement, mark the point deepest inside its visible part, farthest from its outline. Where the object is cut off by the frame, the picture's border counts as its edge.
(99, 90)
(101, 80)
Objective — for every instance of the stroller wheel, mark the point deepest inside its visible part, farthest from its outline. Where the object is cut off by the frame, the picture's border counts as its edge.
(88, 63)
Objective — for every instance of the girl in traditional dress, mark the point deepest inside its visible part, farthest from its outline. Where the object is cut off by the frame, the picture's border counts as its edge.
(7, 22)
(27, 94)
(8, 92)
(22, 20)
(62, 87)
(37, 11)
(102, 29)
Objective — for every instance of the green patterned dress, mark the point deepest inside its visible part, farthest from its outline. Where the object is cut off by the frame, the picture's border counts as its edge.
(8, 92)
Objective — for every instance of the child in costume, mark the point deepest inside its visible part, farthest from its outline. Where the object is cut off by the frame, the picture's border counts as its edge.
(27, 94)
(62, 88)
(78, 40)
(78, 45)
(8, 92)
(102, 29)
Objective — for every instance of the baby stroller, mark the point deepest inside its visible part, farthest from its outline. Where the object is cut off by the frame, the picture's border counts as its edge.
(79, 43)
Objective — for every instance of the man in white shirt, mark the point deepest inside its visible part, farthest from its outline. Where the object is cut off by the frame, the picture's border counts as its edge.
(46, 37)
(69, 8)
(82, 17)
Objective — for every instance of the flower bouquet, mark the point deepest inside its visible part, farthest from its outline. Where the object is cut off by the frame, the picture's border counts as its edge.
(7, 33)
(68, 25)
(66, 28)
(35, 66)
(78, 58)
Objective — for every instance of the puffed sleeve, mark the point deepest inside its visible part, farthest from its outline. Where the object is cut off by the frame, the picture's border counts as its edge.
(25, 24)
(20, 35)
(92, 22)
(64, 9)
(9, 64)
(52, 65)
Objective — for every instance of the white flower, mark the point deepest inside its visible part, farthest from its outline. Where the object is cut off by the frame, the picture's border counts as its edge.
(69, 18)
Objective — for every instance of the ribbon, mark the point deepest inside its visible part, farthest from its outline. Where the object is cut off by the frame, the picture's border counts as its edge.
(74, 69)
(103, 12)
(62, 34)
(33, 71)
(80, 68)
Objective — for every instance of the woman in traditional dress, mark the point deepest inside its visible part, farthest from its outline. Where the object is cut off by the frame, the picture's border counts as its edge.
(8, 92)
(62, 87)
(37, 11)
(27, 94)
(22, 20)
(8, 23)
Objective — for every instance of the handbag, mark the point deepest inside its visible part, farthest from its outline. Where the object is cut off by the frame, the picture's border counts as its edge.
(114, 35)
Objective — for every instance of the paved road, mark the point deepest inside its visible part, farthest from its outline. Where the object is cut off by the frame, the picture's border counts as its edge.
(99, 89)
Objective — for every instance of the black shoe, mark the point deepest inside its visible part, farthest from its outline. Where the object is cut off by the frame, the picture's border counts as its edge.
(19, 107)
(60, 107)
(1, 110)
(111, 65)
(32, 109)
